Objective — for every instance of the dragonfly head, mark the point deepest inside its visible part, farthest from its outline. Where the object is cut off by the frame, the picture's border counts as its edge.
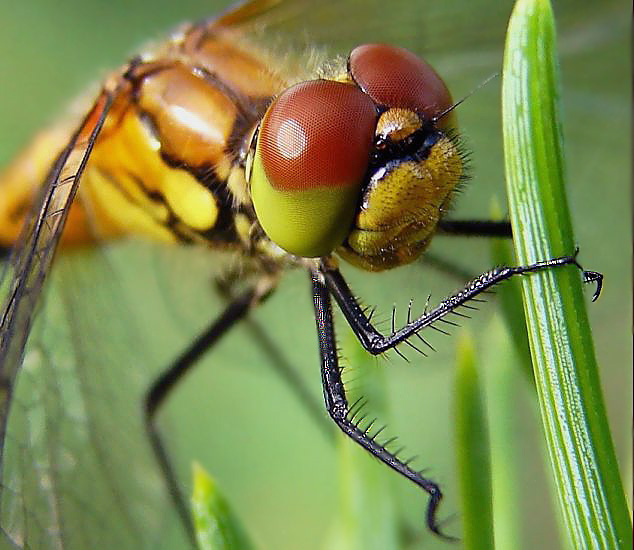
(364, 166)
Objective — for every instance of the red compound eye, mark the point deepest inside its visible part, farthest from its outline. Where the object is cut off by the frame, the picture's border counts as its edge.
(313, 150)
(317, 134)
(395, 77)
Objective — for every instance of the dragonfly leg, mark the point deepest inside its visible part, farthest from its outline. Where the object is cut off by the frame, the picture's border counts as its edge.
(475, 228)
(374, 342)
(339, 409)
(463, 228)
(488, 228)
(167, 381)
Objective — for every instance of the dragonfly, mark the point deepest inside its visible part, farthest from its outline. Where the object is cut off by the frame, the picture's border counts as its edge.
(322, 274)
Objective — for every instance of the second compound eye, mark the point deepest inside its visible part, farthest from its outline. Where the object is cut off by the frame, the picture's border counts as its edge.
(312, 153)
(395, 77)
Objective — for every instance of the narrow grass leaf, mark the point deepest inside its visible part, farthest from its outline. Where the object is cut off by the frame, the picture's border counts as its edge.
(505, 386)
(217, 528)
(582, 455)
(472, 446)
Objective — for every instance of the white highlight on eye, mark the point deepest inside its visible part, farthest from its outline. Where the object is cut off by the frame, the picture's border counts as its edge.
(291, 139)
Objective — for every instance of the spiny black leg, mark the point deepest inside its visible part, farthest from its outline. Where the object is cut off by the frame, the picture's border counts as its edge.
(374, 342)
(337, 404)
(163, 386)
(475, 228)
(464, 228)
(488, 228)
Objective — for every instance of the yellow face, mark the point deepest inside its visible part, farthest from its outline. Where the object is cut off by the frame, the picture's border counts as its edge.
(364, 167)
(406, 195)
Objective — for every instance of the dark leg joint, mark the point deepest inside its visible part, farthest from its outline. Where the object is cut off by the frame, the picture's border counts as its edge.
(165, 384)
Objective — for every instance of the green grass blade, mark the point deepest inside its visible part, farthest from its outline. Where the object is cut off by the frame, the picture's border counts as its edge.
(506, 392)
(472, 447)
(580, 446)
(216, 526)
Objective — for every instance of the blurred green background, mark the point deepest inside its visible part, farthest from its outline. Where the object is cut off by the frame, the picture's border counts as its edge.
(118, 315)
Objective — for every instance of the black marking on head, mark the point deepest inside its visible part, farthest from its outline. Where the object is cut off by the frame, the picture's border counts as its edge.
(417, 145)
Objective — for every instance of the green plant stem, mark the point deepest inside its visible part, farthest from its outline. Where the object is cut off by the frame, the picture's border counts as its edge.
(580, 446)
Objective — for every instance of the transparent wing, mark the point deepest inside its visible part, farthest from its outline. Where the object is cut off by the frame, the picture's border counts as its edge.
(77, 472)
(31, 260)
(30, 263)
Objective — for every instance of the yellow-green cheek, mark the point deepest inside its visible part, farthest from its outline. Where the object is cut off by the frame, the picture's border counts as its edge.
(308, 223)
